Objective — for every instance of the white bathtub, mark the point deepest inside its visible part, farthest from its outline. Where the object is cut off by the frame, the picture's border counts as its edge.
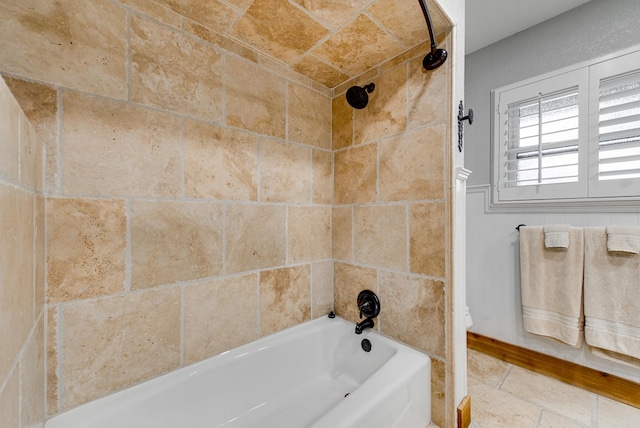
(313, 375)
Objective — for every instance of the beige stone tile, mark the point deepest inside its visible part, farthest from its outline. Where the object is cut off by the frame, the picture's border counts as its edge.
(309, 117)
(174, 241)
(219, 163)
(319, 71)
(369, 46)
(552, 420)
(255, 98)
(52, 359)
(341, 233)
(386, 113)
(615, 414)
(57, 46)
(294, 34)
(39, 252)
(495, 408)
(156, 11)
(572, 402)
(16, 272)
(355, 175)
(342, 123)
(427, 238)
(438, 392)
(285, 172)
(256, 237)
(405, 20)
(112, 343)
(412, 165)
(9, 133)
(10, 401)
(219, 40)
(429, 91)
(380, 236)
(213, 322)
(213, 14)
(86, 247)
(486, 369)
(335, 12)
(285, 298)
(322, 177)
(40, 104)
(321, 288)
(175, 72)
(30, 155)
(309, 233)
(32, 382)
(349, 280)
(418, 50)
(108, 149)
(413, 311)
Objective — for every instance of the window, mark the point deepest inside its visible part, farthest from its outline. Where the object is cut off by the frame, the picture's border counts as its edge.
(570, 135)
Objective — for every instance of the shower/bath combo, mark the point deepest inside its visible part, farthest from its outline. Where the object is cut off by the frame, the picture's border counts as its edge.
(358, 96)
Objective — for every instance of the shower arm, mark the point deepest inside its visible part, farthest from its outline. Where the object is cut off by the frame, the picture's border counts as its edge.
(427, 18)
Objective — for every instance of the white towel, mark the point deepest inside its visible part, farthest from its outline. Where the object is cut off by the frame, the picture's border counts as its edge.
(611, 299)
(623, 239)
(556, 236)
(551, 283)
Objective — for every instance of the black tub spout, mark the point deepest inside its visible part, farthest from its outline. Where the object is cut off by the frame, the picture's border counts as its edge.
(367, 323)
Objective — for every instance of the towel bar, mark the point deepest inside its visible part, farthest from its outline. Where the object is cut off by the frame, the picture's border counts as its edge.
(519, 226)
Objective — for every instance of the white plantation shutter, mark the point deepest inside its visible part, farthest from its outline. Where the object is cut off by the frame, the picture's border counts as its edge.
(570, 136)
(543, 141)
(615, 127)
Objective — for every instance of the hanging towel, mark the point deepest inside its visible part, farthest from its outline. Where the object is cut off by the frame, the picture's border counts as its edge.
(611, 299)
(556, 236)
(623, 239)
(551, 283)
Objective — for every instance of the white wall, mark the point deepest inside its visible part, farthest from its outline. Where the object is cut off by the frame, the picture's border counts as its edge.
(493, 277)
(592, 30)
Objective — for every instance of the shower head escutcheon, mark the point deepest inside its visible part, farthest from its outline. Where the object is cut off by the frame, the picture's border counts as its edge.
(436, 57)
(358, 97)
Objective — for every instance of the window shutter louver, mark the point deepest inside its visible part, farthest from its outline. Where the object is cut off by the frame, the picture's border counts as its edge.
(619, 128)
(542, 141)
(615, 127)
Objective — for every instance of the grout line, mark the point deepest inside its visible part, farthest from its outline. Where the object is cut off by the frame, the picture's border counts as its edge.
(594, 411)
(182, 325)
(504, 376)
(538, 418)
(128, 54)
(128, 256)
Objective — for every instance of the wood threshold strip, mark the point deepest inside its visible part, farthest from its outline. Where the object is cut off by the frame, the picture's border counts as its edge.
(595, 381)
(464, 413)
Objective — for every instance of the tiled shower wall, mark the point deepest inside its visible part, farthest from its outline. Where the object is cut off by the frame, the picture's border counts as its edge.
(22, 306)
(187, 176)
(185, 180)
(390, 215)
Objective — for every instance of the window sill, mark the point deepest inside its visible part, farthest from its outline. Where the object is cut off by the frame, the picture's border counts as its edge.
(608, 205)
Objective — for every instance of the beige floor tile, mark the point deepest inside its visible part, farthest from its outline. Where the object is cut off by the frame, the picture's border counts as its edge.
(494, 408)
(568, 400)
(615, 414)
(553, 420)
(484, 368)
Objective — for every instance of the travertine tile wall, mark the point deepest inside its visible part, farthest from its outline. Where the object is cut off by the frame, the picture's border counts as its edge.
(185, 178)
(391, 208)
(186, 175)
(22, 289)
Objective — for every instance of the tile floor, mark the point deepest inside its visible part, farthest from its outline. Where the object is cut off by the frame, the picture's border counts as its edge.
(504, 395)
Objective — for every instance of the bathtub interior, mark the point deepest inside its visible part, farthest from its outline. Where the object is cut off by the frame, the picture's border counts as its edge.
(312, 375)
